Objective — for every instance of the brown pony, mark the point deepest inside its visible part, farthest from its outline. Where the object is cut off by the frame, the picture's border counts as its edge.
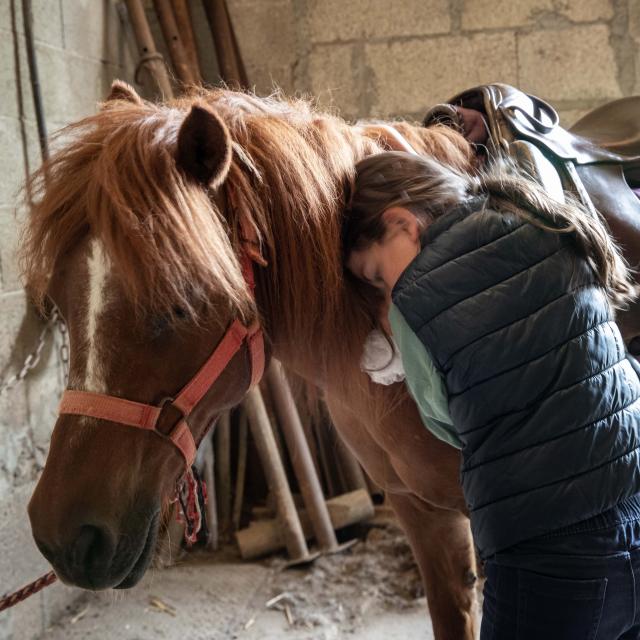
(136, 226)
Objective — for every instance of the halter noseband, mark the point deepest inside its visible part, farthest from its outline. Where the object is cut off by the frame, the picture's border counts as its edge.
(146, 416)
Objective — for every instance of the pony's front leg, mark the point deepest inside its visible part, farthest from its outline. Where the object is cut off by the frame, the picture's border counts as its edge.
(443, 548)
(440, 538)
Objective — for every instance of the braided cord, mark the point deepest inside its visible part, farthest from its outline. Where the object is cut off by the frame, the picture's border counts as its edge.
(22, 594)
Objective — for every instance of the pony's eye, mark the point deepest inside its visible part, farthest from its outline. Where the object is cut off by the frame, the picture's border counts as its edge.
(160, 323)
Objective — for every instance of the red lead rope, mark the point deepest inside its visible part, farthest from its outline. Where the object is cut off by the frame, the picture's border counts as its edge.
(22, 594)
(191, 498)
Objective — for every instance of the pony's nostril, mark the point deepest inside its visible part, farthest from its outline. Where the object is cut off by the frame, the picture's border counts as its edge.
(92, 547)
(45, 550)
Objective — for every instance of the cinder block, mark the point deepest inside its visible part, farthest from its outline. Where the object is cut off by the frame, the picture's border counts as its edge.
(8, 84)
(92, 30)
(9, 273)
(47, 20)
(411, 76)
(494, 14)
(43, 391)
(268, 78)
(588, 10)
(561, 64)
(15, 439)
(28, 410)
(266, 33)
(74, 84)
(634, 20)
(332, 79)
(14, 436)
(335, 20)
(14, 165)
(13, 331)
(634, 32)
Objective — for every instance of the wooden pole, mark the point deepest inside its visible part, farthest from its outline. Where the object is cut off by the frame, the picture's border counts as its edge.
(326, 457)
(174, 42)
(182, 15)
(236, 49)
(241, 471)
(301, 457)
(223, 472)
(209, 468)
(272, 464)
(149, 55)
(265, 536)
(218, 17)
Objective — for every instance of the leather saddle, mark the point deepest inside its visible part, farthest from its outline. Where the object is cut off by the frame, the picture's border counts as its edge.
(597, 160)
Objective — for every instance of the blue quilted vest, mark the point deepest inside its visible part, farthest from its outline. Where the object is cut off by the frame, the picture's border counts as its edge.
(540, 388)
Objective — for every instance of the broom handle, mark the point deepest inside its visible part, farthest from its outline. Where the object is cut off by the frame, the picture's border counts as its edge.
(173, 39)
(148, 53)
(231, 69)
(182, 15)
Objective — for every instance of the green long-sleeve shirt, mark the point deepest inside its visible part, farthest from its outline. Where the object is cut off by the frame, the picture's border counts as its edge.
(424, 382)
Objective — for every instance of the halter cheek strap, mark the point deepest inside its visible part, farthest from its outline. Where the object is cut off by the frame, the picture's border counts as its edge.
(146, 416)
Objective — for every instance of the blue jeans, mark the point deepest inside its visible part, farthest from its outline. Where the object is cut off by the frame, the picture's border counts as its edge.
(581, 582)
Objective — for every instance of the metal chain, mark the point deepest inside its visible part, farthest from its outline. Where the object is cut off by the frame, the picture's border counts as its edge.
(32, 360)
(64, 348)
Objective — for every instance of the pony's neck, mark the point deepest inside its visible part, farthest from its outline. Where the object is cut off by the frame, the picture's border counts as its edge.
(302, 293)
(310, 313)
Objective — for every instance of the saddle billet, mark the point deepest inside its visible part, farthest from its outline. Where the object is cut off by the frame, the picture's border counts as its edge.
(598, 160)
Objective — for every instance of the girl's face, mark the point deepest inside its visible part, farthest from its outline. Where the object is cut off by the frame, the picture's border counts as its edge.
(381, 263)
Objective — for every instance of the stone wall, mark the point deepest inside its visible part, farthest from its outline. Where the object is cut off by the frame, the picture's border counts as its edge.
(375, 58)
(362, 58)
(81, 46)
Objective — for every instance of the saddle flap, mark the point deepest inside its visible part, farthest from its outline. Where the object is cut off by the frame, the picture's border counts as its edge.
(513, 114)
(533, 162)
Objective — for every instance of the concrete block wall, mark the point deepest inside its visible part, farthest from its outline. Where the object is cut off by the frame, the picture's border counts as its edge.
(375, 58)
(81, 46)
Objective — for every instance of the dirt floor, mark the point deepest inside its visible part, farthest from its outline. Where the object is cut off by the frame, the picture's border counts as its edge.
(371, 591)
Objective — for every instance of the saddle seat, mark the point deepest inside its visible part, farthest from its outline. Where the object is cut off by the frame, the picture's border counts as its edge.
(614, 126)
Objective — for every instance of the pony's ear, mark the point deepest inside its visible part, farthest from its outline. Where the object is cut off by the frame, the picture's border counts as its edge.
(120, 90)
(204, 146)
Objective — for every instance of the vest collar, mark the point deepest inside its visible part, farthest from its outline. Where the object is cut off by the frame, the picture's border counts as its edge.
(457, 213)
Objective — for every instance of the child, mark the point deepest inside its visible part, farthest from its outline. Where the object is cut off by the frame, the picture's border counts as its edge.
(501, 300)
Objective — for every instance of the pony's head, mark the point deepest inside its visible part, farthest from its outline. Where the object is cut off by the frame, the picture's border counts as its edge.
(135, 232)
(127, 237)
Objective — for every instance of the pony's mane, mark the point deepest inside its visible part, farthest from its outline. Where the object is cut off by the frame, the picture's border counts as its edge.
(115, 178)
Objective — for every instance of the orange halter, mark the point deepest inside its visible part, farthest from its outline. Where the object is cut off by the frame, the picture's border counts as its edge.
(146, 416)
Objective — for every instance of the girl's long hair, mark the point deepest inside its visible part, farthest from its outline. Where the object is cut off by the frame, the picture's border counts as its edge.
(430, 188)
